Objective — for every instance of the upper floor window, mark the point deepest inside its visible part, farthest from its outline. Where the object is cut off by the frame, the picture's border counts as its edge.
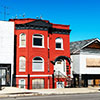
(38, 40)
(38, 64)
(22, 64)
(22, 40)
(59, 43)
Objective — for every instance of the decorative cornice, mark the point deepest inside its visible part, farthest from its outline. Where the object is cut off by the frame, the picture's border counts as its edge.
(60, 31)
(41, 25)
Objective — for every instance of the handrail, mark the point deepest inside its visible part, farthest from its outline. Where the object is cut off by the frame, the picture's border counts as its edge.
(60, 74)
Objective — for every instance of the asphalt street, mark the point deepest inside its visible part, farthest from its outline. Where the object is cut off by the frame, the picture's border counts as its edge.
(91, 96)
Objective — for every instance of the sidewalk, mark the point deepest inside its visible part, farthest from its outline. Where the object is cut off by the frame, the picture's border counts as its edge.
(14, 92)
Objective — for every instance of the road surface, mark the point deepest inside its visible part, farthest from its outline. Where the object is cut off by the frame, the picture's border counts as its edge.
(91, 96)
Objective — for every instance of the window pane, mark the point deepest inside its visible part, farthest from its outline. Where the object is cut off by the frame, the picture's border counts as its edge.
(23, 43)
(37, 83)
(37, 66)
(22, 83)
(23, 40)
(37, 41)
(58, 45)
(22, 62)
(58, 40)
(23, 36)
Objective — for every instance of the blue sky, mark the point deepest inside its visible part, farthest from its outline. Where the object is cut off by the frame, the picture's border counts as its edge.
(83, 16)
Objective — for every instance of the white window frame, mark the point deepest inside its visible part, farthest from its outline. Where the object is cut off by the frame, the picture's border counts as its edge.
(20, 83)
(38, 37)
(59, 42)
(48, 43)
(42, 70)
(20, 42)
(20, 64)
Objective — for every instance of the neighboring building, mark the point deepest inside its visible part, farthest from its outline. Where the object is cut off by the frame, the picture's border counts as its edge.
(42, 54)
(85, 56)
(6, 52)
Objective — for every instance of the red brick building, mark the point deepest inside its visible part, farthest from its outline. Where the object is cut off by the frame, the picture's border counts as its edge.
(42, 54)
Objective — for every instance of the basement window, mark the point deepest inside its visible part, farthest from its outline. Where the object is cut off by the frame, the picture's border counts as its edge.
(22, 83)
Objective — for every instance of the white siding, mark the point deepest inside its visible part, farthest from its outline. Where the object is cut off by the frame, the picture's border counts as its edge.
(88, 70)
(75, 65)
(7, 43)
(79, 64)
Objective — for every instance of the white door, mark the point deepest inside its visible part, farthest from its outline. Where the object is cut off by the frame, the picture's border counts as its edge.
(60, 84)
(22, 83)
(60, 66)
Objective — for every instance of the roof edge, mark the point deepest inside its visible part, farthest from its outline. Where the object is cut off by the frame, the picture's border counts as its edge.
(85, 45)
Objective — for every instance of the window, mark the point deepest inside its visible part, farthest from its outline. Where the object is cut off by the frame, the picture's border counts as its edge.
(22, 63)
(22, 83)
(38, 40)
(93, 62)
(38, 64)
(22, 40)
(59, 43)
(37, 83)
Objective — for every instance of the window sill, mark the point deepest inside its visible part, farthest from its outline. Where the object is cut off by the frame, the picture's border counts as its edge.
(37, 70)
(22, 47)
(59, 49)
(38, 46)
(22, 71)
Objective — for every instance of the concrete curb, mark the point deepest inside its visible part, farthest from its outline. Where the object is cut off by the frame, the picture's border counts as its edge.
(42, 94)
(15, 92)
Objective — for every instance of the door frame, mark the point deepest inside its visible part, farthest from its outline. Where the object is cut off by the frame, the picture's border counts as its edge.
(62, 67)
(6, 67)
(60, 84)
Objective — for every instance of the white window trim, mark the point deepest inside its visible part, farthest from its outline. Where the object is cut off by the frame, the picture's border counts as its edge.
(20, 46)
(42, 41)
(34, 75)
(20, 83)
(48, 42)
(62, 48)
(59, 49)
(42, 70)
(21, 75)
(19, 65)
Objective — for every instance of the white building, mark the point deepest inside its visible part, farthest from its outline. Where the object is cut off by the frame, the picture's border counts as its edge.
(85, 56)
(6, 52)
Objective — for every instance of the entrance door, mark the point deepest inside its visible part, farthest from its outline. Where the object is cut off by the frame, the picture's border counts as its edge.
(3, 76)
(60, 84)
(60, 66)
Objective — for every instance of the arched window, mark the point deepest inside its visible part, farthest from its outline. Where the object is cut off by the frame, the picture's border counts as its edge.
(59, 43)
(22, 40)
(38, 64)
(22, 64)
(38, 40)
